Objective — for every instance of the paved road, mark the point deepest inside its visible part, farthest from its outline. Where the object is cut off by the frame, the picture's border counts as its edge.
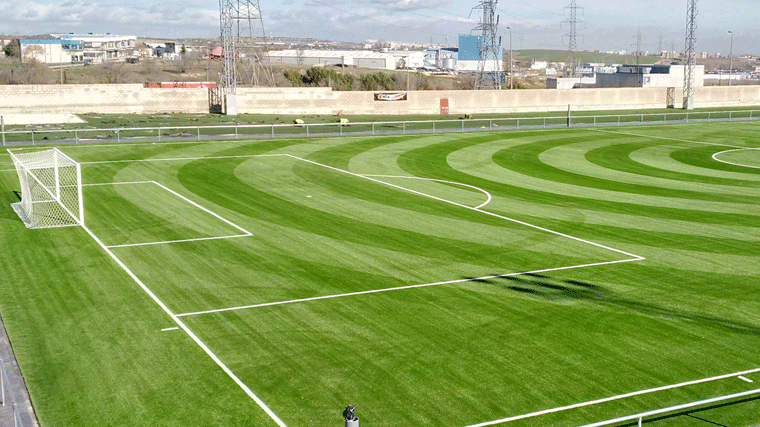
(18, 390)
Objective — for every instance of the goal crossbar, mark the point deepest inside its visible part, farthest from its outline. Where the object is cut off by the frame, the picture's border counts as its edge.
(51, 189)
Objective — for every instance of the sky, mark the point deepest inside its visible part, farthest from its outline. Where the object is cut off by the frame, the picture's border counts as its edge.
(607, 25)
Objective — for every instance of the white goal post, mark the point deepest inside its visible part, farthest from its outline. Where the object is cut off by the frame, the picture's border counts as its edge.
(51, 189)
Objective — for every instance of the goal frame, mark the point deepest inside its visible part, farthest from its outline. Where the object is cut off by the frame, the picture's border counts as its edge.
(30, 207)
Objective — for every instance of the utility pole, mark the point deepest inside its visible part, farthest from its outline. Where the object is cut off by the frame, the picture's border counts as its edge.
(572, 37)
(237, 19)
(731, 58)
(659, 46)
(511, 86)
(488, 47)
(638, 56)
(691, 58)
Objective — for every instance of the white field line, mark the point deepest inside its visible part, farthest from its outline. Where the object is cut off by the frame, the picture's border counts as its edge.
(715, 157)
(117, 183)
(641, 415)
(401, 288)
(668, 139)
(177, 159)
(204, 209)
(189, 332)
(246, 232)
(745, 379)
(488, 195)
(163, 242)
(170, 329)
(637, 257)
(612, 398)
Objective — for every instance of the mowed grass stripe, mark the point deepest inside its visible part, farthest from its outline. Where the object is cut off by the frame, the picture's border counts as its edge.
(531, 165)
(630, 157)
(417, 161)
(324, 252)
(441, 356)
(573, 158)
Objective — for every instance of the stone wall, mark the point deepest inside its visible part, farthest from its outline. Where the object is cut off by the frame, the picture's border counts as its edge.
(134, 98)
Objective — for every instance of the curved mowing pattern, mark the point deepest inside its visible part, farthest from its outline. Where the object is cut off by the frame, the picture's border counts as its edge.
(424, 306)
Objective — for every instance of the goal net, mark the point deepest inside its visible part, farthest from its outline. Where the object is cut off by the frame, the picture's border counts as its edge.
(51, 189)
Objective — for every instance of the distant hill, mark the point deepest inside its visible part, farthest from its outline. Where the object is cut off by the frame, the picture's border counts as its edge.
(590, 57)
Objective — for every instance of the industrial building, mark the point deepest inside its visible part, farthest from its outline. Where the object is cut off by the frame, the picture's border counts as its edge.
(444, 58)
(101, 47)
(644, 76)
(356, 58)
(649, 76)
(51, 51)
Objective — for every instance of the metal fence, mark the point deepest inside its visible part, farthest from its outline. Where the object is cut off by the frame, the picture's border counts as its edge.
(6, 394)
(639, 418)
(237, 131)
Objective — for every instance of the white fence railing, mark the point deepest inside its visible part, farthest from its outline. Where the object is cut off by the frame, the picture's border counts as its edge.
(640, 417)
(236, 131)
(6, 394)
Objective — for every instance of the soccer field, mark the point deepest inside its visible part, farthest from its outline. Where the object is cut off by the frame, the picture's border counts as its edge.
(520, 278)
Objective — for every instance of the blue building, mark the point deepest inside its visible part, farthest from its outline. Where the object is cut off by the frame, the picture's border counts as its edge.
(469, 54)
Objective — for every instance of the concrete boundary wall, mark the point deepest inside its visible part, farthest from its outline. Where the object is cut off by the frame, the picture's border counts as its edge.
(134, 98)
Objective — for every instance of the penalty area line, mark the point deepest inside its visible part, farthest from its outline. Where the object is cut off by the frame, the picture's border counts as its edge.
(401, 288)
(246, 233)
(178, 241)
(516, 221)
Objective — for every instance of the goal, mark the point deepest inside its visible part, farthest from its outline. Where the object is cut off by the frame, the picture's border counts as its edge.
(51, 189)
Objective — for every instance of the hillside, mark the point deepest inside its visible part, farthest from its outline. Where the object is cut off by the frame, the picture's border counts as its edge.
(590, 57)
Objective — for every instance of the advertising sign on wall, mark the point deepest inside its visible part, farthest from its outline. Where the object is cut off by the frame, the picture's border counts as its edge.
(390, 96)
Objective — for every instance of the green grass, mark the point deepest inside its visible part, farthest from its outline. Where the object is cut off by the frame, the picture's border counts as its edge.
(89, 339)
(103, 126)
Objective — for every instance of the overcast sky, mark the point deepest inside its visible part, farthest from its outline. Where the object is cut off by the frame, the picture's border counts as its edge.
(607, 24)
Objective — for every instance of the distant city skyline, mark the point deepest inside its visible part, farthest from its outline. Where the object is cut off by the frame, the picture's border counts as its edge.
(535, 25)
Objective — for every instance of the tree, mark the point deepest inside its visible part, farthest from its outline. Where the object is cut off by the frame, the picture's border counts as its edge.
(33, 52)
(294, 77)
(13, 49)
(316, 75)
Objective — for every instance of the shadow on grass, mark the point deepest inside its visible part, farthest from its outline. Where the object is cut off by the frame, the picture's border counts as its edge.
(548, 288)
(6, 211)
(690, 413)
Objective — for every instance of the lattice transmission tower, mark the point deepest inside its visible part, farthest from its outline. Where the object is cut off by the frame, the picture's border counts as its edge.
(489, 66)
(244, 59)
(572, 38)
(691, 58)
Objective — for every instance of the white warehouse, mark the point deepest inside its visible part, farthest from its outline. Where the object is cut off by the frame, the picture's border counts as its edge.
(356, 58)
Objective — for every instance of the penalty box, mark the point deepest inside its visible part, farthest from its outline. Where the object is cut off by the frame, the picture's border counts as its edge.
(319, 232)
(144, 213)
